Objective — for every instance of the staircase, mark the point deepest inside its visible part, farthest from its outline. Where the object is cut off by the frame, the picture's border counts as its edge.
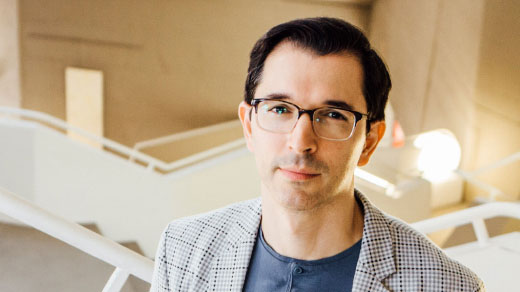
(129, 201)
(34, 261)
(465, 233)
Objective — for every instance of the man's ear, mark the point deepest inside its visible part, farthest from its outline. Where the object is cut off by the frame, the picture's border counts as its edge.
(377, 130)
(244, 113)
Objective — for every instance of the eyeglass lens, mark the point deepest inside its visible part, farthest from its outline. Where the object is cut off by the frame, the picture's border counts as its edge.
(329, 123)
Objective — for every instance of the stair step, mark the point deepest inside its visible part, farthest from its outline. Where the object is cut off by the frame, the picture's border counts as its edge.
(495, 226)
(133, 246)
(91, 227)
(34, 261)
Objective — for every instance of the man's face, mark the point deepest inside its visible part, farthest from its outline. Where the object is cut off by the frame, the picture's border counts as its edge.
(300, 170)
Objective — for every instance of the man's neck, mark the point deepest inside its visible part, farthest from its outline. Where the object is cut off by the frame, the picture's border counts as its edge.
(315, 234)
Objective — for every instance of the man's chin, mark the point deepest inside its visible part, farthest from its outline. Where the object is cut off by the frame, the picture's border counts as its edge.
(300, 201)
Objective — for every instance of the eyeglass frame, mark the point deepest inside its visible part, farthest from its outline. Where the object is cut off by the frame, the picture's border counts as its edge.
(357, 115)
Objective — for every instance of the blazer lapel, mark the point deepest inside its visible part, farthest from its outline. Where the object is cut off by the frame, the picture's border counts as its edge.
(229, 269)
(376, 259)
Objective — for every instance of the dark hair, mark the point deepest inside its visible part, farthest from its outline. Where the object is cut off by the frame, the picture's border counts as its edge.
(326, 36)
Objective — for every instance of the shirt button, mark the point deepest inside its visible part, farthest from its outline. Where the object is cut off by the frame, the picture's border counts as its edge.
(298, 270)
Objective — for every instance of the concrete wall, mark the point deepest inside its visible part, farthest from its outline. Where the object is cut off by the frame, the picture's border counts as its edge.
(168, 66)
(9, 54)
(497, 98)
(454, 65)
(16, 158)
(432, 54)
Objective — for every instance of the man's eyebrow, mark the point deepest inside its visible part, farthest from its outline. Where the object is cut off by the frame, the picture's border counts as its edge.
(339, 104)
(334, 103)
(277, 96)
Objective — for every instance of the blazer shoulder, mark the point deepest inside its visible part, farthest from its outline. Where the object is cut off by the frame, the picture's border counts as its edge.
(417, 256)
(205, 235)
(214, 222)
(189, 246)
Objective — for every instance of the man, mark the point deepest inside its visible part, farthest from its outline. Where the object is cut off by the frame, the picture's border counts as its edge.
(313, 111)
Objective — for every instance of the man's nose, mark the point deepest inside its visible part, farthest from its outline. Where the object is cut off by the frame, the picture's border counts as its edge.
(303, 139)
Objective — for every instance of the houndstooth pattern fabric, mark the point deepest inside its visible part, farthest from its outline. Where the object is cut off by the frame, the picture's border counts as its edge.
(211, 252)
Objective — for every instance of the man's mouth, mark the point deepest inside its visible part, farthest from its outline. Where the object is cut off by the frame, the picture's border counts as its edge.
(298, 174)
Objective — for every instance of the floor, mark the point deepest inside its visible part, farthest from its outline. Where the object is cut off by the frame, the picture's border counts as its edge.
(497, 262)
(34, 261)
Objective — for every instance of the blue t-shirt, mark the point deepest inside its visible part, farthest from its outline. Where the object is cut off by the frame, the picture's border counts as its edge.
(270, 271)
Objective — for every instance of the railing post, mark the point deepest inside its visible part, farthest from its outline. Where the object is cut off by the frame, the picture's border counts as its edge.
(46, 119)
(480, 231)
(131, 158)
(77, 236)
(117, 281)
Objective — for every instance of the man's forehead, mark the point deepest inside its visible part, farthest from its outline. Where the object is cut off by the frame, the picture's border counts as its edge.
(291, 71)
(287, 56)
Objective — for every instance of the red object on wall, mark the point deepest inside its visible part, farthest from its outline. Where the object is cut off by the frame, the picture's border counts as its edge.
(397, 135)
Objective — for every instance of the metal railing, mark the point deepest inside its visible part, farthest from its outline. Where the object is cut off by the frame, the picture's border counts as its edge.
(134, 154)
(185, 135)
(200, 156)
(473, 215)
(128, 262)
(125, 260)
(471, 176)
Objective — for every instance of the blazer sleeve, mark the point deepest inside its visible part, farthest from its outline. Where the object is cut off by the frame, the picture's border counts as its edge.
(160, 282)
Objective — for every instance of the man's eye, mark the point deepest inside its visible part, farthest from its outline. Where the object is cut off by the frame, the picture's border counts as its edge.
(336, 115)
(279, 109)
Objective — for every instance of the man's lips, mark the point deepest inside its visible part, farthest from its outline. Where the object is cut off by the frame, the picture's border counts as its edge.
(298, 174)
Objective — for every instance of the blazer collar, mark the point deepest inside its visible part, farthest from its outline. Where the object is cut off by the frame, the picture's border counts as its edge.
(376, 255)
(228, 271)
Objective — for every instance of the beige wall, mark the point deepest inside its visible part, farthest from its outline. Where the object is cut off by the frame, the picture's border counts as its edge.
(497, 99)
(403, 32)
(432, 54)
(84, 102)
(175, 65)
(9, 54)
(168, 65)
(454, 65)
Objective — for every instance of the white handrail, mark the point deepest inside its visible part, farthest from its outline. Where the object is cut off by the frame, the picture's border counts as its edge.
(152, 163)
(76, 235)
(474, 215)
(239, 143)
(502, 162)
(493, 191)
(43, 117)
(116, 282)
(186, 134)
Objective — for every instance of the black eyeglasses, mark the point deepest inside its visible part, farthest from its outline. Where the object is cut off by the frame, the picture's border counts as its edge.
(331, 123)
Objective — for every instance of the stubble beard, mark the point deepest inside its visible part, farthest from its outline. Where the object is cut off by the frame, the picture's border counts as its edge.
(299, 198)
(306, 196)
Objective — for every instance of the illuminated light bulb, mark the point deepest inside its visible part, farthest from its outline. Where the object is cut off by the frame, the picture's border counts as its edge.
(439, 155)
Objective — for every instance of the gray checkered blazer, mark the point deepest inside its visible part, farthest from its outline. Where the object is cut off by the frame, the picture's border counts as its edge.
(211, 252)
